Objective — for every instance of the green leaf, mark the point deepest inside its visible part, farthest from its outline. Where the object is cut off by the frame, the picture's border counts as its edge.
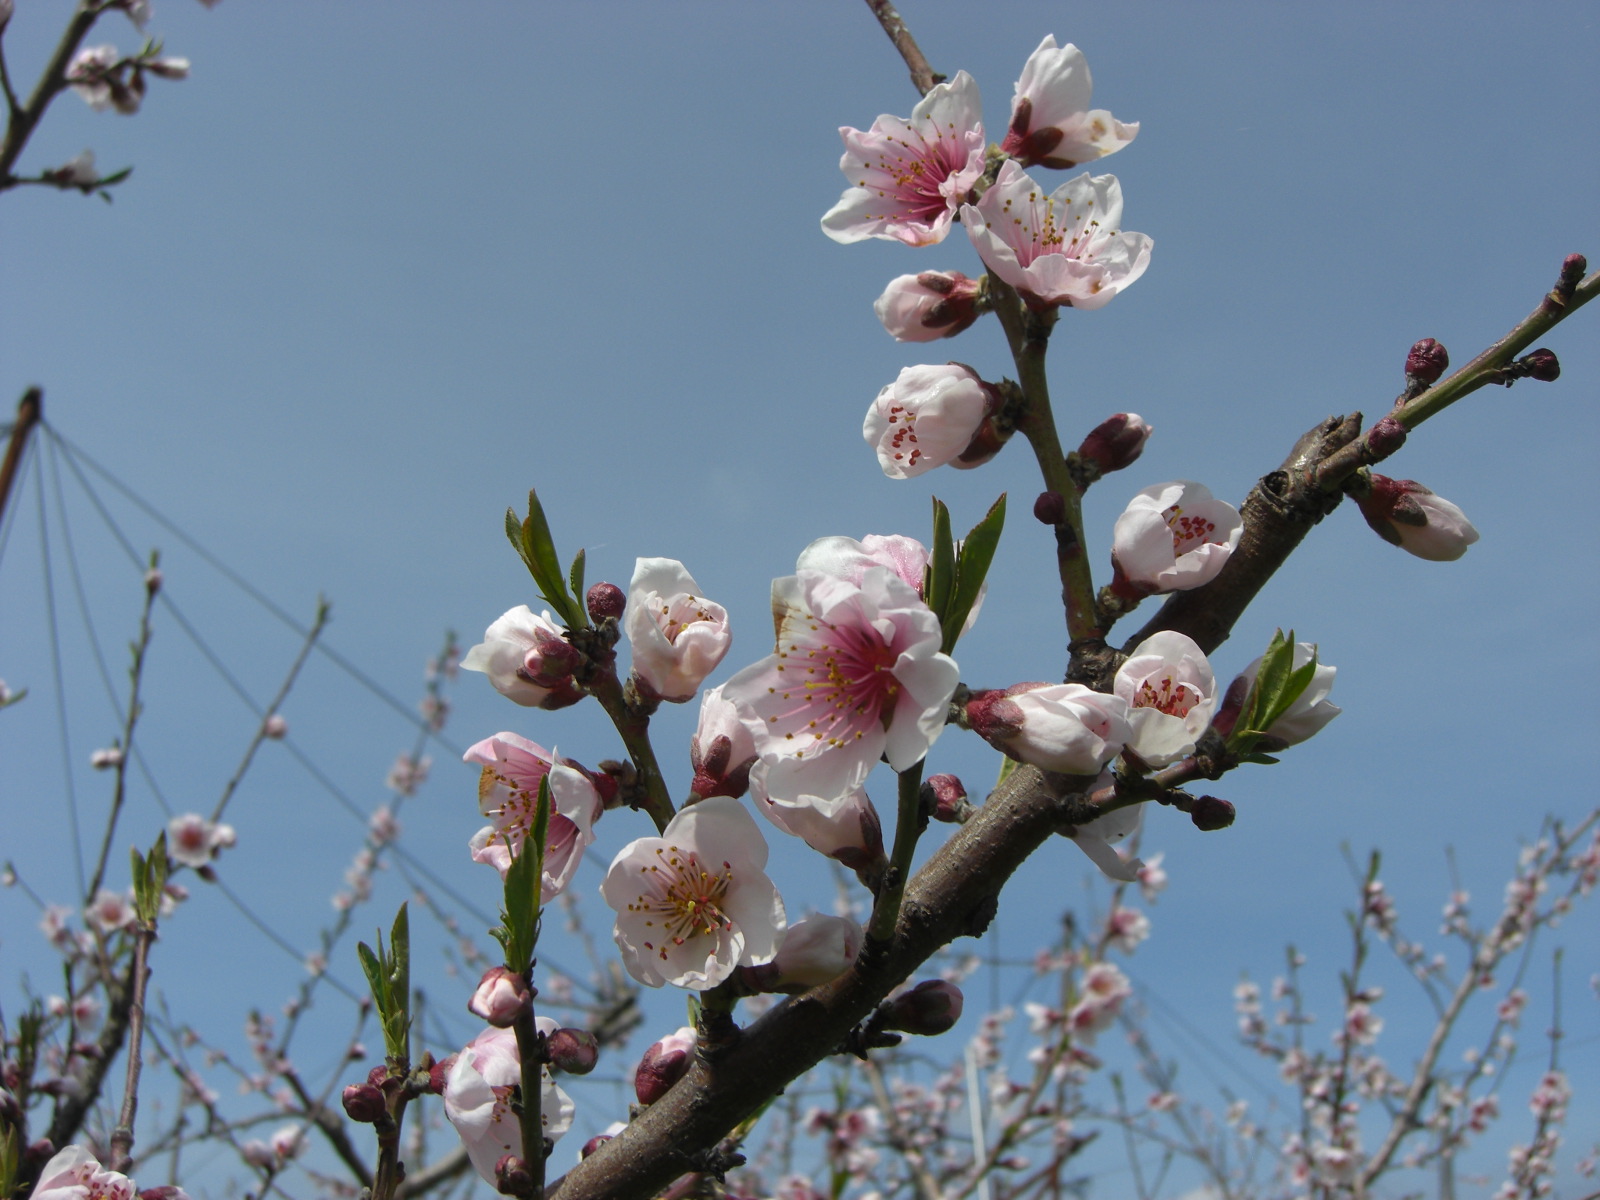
(941, 581)
(389, 977)
(518, 934)
(575, 576)
(1007, 766)
(373, 970)
(972, 568)
(150, 880)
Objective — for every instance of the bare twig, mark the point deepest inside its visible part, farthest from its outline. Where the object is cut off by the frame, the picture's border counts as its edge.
(923, 77)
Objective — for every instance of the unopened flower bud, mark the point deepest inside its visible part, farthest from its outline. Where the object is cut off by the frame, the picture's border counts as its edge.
(930, 1008)
(593, 1144)
(275, 727)
(663, 1065)
(512, 1177)
(165, 1191)
(1050, 508)
(1426, 362)
(1406, 514)
(605, 600)
(1541, 364)
(438, 1073)
(502, 996)
(945, 799)
(574, 1051)
(153, 577)
(1115, 443)
(1573, 268)
(929, 306)
(364, 1102)
(1386, 436)
(1210, 813)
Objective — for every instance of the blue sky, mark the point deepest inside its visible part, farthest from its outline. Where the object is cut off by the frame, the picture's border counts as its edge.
(380, 270)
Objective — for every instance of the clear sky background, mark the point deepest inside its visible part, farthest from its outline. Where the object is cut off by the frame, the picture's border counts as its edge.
(381, 268)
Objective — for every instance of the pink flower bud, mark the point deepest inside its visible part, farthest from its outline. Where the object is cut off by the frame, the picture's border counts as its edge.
(502, 996)
(1541, 364)
(1386, 436)
(527, 660)
(364, 1103)
(573, 1051)
(663, 1065)
(930, 1008)
(1049, 508)
(929, 306)
(594, 1143)
(1304, 718)
(1406, 514)
(275, 727)
(1115, 443)
(512, 1177)
(930, 416)
(1209, 813)
(945, 799)
(1426, 362)
(1062, 727)
(153, 579)
(605, 600)
(815, 949)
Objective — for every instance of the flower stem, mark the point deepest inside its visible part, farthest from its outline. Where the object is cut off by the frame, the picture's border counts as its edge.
(909, 823)
(531, 1052)
(633, 726)
(139, 977)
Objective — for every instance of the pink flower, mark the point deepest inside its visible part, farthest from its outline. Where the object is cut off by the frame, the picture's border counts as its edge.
(90, 74)
(845, 828)
(1303, 719)
(1062, 727)
(1097, 837)
(1051, 122)
(408, 773)
(1171, 694)
(477, 1098)
(1126, 928)
(194, 841)
(500, 997)
(1066, 248)
(857, 675)
(1104, 989)
(1406, 514)
(929, 306)
(111, 911)
(815, 949)
(721, 750)
(909, 176)
(508, 794)
(527, 660)
(695, 903)
(75, 1174)
(676, 635)
(275, 727)
(930, 416)
(847, 559)
(104, 760)
(1173, 537)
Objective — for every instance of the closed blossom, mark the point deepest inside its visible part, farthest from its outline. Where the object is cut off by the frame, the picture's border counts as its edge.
(928, 417)
(1063, 727)
(929, 306)
(677, 636)
(527, 659)
(1171, 694)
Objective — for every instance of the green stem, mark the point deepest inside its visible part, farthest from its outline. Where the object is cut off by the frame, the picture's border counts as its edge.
(908, 826)
(531, 1051)
(1028, 333)
(633, 726)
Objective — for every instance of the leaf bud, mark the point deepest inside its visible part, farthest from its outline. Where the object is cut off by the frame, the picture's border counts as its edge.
(606, 600)
(1210, 813)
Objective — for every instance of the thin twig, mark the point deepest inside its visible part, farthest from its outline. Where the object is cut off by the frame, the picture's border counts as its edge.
(923, 77)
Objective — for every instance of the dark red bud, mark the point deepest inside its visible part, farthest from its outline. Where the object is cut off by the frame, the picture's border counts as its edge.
(594, 1143)
(1387, 436)
(377, 1075)
(1573, 269)
(563, 695)
(945, 799)
(1209, 813)
(1050, 508)
(165, 1192)
(438, 1073)
(930, 1008)
(660, 1068)
(364, 1102)
(1427, 361)
(943, 282)
(512, 1177)
(1116, 442)
(1541, 364)
(993, 716)
(606, 600)
(573, 1051)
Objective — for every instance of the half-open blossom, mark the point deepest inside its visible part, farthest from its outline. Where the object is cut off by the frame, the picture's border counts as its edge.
(930, 416)
(75, 1174)
(1304, 718)
(478, 1092)
(677, 636)
(1052, 124)
(845, 828)
(91, 74)
(929, 306)
(815, 949)
(696, 902)
(508, 794)
(194, 841)
(1115, 443)
(908, 177)
(1171, 694)
(857, 676)
(1065, 248)
(1173, 537)
(1063, 727)
(721, 750)
(1404, 513)
(527, 660)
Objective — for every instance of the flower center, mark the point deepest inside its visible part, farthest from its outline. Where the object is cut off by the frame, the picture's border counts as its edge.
(1166, 694)
(677, 614)
(1188, 531)
(684, 897)
(847, 684)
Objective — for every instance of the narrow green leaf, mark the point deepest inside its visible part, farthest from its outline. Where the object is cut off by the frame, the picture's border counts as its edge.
(372, 968)
(400, 955)
(575, 576)
(941, 582)
(514, 533)
(540, 547)
(972, 568)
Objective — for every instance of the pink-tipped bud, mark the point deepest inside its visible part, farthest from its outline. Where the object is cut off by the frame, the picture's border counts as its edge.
(275, 727)
(1426, 362)
(930, 1008)
(512, 1177)
(663, 1065)
(594, 1143)
(501, 997)
(1573, 269)
(438, 1073)
(1210, 813)
(929, 306)
(165, 1191)
(1541, 364)
(574, 1051)
(606, 600)
(945, 799)
(1387, 436)
(1406, 514)
(1050, 508)
(364, 1102)
(152, 580)
(1115, 443)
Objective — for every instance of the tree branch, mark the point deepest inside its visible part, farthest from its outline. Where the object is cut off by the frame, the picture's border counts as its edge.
(923, 77)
